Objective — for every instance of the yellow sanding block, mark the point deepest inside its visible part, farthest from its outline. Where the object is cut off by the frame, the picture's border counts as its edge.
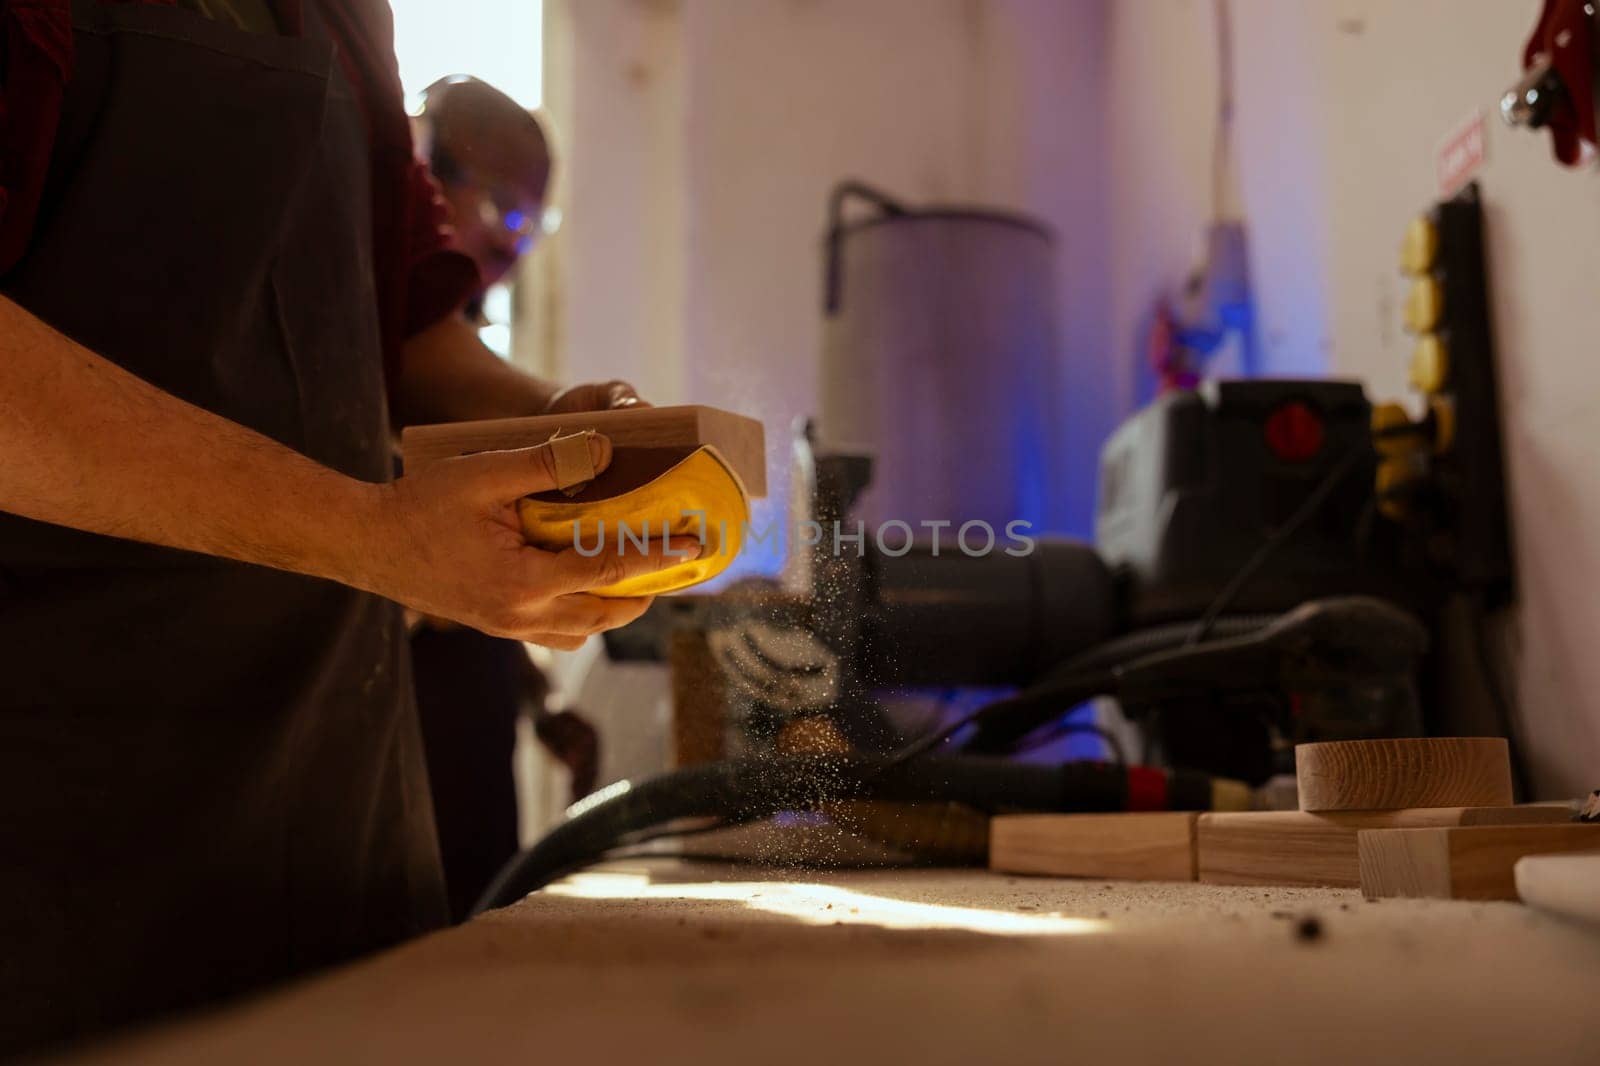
(675, 471)
(699, 496)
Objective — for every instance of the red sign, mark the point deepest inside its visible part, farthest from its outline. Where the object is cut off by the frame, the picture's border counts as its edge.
(1461, 155)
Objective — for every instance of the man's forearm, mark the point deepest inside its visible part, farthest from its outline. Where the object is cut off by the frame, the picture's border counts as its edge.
(85, 444)
(447, 375)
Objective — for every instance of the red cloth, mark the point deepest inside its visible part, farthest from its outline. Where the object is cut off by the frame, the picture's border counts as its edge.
(421, 277)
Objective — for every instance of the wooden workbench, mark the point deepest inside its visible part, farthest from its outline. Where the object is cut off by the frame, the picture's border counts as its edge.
(662, 961)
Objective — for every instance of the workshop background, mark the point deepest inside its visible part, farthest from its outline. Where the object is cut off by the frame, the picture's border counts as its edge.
(698, 140)
(1114, 797)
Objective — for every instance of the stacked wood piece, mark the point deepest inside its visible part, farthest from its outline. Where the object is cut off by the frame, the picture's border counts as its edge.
(1320, 848)
(1461, 860)
(1396, 817)
(1461, 863)
(1351, 787)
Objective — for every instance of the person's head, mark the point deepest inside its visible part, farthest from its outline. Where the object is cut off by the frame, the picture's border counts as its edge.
(493, 162)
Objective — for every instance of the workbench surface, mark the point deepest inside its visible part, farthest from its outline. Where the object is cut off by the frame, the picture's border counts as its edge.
(664, 961)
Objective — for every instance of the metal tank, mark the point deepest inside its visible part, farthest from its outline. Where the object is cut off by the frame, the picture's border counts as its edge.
(939, 360)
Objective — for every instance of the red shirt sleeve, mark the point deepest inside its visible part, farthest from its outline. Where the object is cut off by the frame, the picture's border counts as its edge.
(440, 278)
(36, 36)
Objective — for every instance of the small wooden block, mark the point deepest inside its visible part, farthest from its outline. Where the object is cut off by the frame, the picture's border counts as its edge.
(699, 700)
(1460, 863)
(1371, 775)
(1153, 846)
(1319, 849)
(741, 440)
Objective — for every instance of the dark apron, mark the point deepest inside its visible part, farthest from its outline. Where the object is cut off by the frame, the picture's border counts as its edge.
(210, 773)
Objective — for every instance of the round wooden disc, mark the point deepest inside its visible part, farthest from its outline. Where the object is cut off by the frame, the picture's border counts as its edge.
(1373, 775)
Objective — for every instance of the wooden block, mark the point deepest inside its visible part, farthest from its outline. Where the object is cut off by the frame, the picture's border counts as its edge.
(1565, 885)
(1460, 863)
(1153, 846)
(1370, 775)
(699, 700)
(1307, 848)
(741, 440)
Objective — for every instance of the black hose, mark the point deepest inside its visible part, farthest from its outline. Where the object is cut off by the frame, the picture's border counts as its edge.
(1141, 642)
(832, 284)
(1004, 723)
(744, 789)
(1001, 724)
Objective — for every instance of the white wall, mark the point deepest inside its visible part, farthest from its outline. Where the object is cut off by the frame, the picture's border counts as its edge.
(702, 135)
(700, 140)
(786, 98)
(1342, 104)
(608, 290)
(1045, 121)
(1164, 99)
(1391, 104)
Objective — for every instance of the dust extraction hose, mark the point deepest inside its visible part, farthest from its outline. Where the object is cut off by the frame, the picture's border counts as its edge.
(744, 789)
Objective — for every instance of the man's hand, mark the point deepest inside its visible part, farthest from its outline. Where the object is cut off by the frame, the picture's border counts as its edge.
(595, 396)
(85, 444)
(452, 546)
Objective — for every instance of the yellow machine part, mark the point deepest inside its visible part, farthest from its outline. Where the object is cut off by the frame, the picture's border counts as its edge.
(1419, 247)
(1424, 304)
(701, 484)
(1393, 432)
(1430, 364)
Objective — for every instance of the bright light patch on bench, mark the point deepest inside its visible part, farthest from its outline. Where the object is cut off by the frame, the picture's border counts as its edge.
(817, 904)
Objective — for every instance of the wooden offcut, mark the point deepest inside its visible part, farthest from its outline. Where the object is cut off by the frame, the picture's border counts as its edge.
(1319, 849)
(1460, 863)
(699, 700)
(1145, 846)
(1368, 775)
(740, 440)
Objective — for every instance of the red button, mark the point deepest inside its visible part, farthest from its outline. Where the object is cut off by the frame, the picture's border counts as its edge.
(1294, 432)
